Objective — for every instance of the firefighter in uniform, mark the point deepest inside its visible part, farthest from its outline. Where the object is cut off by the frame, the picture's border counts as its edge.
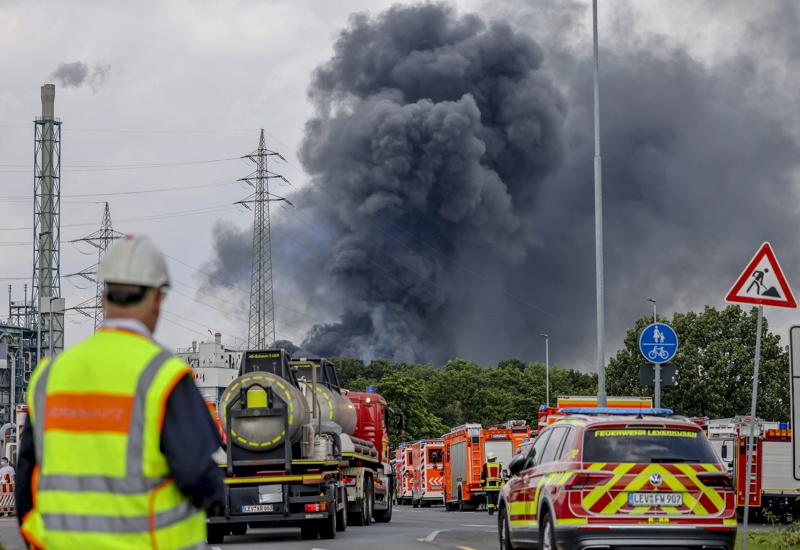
(117, 448)
(491, 481)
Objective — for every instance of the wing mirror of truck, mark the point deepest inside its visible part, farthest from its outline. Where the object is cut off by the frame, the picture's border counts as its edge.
(516, 464)
(724, 452)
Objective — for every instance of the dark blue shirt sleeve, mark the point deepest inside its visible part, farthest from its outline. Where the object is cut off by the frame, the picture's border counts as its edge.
(25, 464)
(188, 439)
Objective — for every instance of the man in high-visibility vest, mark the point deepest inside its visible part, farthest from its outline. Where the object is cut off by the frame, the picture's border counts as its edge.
(491, 481)
(117, 447)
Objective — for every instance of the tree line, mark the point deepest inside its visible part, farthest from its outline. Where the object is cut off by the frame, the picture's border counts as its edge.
(714, 367)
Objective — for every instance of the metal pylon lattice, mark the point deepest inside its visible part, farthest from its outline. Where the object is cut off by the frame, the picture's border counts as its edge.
(101, 240)
(261, 325)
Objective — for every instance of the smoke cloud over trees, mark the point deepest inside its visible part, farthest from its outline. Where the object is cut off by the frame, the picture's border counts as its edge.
(449, 210)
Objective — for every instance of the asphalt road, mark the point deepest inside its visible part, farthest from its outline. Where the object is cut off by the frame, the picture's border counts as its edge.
(410, 528)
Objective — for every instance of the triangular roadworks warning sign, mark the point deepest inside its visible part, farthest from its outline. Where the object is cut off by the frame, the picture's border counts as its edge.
(762, 282)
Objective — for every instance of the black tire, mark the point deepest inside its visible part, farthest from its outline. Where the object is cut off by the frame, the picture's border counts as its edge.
(504, 530)
(341, 518)
(461, 506)
(414, 503)
(547, 532)
(239, 529)
(327, 527)
(356, 516)
(216, 533)
(450, 507)
(384, 516)
(370, 501)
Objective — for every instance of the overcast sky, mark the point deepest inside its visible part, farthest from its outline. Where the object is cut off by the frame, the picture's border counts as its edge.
(188, 83)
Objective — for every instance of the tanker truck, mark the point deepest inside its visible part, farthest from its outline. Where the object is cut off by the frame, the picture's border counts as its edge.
(300, 451)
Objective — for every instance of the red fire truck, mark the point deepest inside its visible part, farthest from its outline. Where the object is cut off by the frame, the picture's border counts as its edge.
(428, 472)
(465, 449)
(548, 415)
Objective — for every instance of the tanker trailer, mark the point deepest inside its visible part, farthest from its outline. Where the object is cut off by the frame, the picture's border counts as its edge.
(279, 469)
(362, 425)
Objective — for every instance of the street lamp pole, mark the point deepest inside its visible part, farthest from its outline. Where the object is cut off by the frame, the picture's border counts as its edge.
(50, 324)
(656, 366)
(598, 225)
(547, 367)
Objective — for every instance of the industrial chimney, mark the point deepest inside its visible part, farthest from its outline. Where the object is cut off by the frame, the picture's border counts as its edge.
(46, 296)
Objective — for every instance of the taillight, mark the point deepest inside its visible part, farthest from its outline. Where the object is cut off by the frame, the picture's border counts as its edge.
(349, 481)
(316, 507)
(588, 479)
(722, 481)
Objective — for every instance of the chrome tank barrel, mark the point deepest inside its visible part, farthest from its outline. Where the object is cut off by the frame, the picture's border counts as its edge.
(265, 432)
(335, 407)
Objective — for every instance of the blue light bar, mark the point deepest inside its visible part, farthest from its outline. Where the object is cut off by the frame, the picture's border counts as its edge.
(372, 389)
(620, 412)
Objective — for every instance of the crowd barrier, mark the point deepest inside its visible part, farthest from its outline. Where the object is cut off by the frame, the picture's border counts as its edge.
(8, 505)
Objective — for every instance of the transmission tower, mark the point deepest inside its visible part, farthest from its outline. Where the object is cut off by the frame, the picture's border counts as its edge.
(261, 327)
(101, 240)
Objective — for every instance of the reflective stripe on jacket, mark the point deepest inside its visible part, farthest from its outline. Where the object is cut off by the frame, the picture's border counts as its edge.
(101, 480)
(493, 479)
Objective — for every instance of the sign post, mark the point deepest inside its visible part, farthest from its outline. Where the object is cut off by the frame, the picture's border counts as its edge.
(794, 389)
(761, 283)
(658, 343)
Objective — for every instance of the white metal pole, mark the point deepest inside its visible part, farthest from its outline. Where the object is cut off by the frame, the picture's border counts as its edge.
(547, 367)
(657, 366)
(598, 226)
(13, 393)
(751, 431)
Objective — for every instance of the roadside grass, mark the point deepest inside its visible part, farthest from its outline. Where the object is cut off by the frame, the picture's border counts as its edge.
(779, 539)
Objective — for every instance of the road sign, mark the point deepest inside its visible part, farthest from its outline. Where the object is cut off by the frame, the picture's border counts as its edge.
(762, 282)
(658, 343)
(647, 375)
(794, 392)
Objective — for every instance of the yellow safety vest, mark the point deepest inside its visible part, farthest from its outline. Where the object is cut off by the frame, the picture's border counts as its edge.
(493, 479)
(101, 480)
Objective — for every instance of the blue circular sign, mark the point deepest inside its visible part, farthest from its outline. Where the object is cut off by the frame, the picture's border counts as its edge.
(658, 343)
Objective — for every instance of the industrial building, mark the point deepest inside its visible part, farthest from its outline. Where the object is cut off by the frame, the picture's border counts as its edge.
(214, 366)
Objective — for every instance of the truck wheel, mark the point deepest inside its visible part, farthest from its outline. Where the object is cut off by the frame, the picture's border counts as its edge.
(461, 506)
(384, 516)
(341, 518)
(309, 530)
(414, 503)
(370, 504)
(328, 528)
(216, 533)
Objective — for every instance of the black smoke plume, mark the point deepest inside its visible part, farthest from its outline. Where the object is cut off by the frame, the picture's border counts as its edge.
(450, 207)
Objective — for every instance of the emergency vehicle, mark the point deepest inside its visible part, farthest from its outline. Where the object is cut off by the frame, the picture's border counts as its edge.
(772, 484)
(404, 471)
(548, 415)
(465, 449)
(428, 472)
(610, 481)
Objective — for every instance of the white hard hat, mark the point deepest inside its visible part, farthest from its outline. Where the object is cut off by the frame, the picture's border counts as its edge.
(490, 456)
(134, 260)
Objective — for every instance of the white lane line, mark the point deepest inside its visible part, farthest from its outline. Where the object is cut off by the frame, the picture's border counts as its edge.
(216, 548)
(432, 536)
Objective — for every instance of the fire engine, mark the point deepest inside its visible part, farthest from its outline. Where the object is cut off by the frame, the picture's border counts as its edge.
(772, 485)
(465, 449)
(404, 472)
(428, 472)
(548, 415)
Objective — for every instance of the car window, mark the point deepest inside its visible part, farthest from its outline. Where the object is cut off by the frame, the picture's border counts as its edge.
(553, 445)
(537, 449)
(434, 456)
(568, 450)
(647, 445)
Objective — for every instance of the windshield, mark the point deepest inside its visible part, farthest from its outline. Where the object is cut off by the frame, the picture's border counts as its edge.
(435, 456)
(647, 445)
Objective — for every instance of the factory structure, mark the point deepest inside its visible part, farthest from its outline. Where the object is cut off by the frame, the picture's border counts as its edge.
(215, 366)
(34, 326)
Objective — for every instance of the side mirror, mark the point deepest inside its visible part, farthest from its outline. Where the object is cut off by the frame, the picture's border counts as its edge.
(724, 452)
(505, 474)
(516, 465)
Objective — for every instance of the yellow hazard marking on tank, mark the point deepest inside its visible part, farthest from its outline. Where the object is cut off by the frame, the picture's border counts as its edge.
(330, 403)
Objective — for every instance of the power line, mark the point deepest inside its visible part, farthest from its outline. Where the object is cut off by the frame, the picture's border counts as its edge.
(118, 193)
(111, 167)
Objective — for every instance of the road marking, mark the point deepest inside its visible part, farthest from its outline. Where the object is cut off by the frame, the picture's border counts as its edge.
(431, 537)
(465, 548)
(216, 548)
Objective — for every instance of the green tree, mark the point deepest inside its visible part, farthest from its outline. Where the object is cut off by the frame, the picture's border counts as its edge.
(714, 366)
(405, 394)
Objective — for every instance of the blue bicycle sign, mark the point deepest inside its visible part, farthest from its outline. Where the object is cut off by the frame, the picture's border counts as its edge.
(658, 343)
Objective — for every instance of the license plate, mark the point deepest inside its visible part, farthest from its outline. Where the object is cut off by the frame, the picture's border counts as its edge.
(257, 508)
(655, 499)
